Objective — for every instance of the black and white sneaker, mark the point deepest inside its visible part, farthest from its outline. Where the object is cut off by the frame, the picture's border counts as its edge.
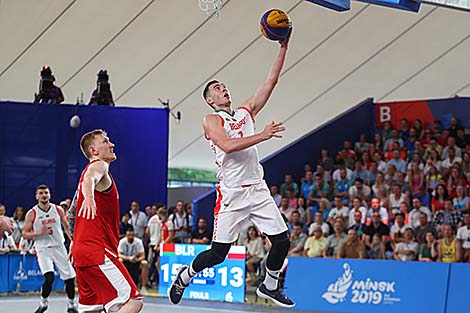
(72, 309)
(176, 290)
(41, 309)
(275, 296)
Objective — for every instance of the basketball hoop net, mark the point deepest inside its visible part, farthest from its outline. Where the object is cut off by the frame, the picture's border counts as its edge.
(211, 6)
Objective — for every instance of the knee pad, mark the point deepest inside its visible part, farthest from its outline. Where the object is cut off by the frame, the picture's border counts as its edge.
(48, 278)
(219, 252)
(281, 241)
(280, 247)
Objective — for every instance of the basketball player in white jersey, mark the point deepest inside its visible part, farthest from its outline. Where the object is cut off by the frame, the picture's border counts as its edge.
(43, 224)
(242, 193)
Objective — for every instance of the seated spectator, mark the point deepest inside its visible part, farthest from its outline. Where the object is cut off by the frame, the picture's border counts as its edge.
(358, 225)
(461, 200)
(448, 216)
(318, 222)
(449, 161)
(297, 240)
(124, 225)
(463, 236)
(319, 190)
(302, 208)
(352, 248)
(410, 142)
(202, 235)
(289, 183)
(373, 172)
(417, 182)
(381, 165)
(377, 249)
(325, 160)
(388, 145)
(391, 154)
(428, 250)
(460, 140)
(408, 249)
(424, 227)
(449, 249)
(183, 223)
(285, 209)
(465, 166)
(376, 227)
(383, 197)
(416, 211)
(361, 146)
(334, 241)
(404, 132)
(359, 172)
(405, 210)
(357, 208)
(432, 178)
(359, 190)
(132, 254)
(307, 184)
(18, 224)
(386, 131)
(405, 183)
(397, 231)
(27, 246)
(451, 145)
(342, 186)
(337, 176)
(291, 196)
(325, 175)
(294, 218)
(396, 198)
(397, 161)
(315, 244)
(254, 253)
(376, 208)
(276, 195)
(7, 244)
(437, 202)
(454, 181)
(339, 210)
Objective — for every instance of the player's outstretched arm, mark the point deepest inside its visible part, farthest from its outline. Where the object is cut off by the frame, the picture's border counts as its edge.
(214, 130)
(93, 176)
(257, 102)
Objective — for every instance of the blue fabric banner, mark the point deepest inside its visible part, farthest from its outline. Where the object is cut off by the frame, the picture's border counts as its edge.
(457, 295)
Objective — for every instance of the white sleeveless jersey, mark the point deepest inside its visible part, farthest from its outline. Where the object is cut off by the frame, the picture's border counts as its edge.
(51, 219)
(241, 167)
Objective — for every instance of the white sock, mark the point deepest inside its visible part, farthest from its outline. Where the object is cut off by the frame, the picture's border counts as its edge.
(71, 303)
(188, 274)
(271, 279)
(43, 301)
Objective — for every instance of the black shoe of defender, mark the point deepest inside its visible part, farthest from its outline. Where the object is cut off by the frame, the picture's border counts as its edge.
(176, 290)
(72, 309)
(41, 309)
(275, 296)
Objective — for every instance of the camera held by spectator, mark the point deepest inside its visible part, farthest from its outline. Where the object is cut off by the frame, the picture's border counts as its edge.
(102, 94)
(48, 92)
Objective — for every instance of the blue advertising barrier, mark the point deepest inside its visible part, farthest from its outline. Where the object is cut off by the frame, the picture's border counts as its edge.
(223, 282)
(365, 286)
(24, 274)
(457, 294)
(4, 273)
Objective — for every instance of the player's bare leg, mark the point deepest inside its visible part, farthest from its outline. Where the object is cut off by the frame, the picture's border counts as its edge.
(131, 306)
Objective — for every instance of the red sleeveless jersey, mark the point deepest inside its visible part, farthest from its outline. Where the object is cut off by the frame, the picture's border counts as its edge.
(93, 236)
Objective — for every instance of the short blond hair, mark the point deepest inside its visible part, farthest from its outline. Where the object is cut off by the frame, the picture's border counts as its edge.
(87, 140)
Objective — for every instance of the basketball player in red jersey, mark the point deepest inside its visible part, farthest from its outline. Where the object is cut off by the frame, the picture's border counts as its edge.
(103, 281)
(242, 193)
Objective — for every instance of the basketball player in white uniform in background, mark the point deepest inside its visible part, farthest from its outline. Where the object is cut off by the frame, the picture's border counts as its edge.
(43, 224)
(242, 193)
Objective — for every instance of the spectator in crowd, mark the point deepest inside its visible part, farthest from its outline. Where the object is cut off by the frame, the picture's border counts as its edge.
(450, 249)
(334, 241)
(319, 190)
(102, 95)
(188, 208)
(325, 160)
(451, 145)
(345, 157)
(359, 190)
(307, 184)
(376, 208)
(154, 233)
(342, 186)
(308, 167)
(383, 197)
(182, 222)
(339, 210)
(297, 240)
(432, 178)
(289, 183)
(442, 138)
(433, 146)
(428, 249)
(465, 166)
(132, 254)
(420, 130)
(415, 158)
(358, 225)
(291, 196)
(124, 225)
(454, 127)
(302, 209)
(325, 175)
(424, 227)
(447, 216)
(408, 249)
(436, 127)
(138, 219)
(6, 243)
(352, 248)
(276, 195)
(315, 244)
(439, 198)
(337, 175)
(361, 146)
(359, 172)
(3, 210)
(386, 131)
(285, 209)
(373, 172)
(357, 208)
(376, 227)
(404, 183)
(202, 235)
(48, 91)
(18, 224)
(148, 211)
(377, 249)
(168, 228)
(397, 231)
(416, 211)
(417, 181)
(463, 236)
(449, 161)
(27, 246)
(410, 142)
(379, 182)
(254, 253)
(455, 180)
(397, 161)
(396, 198)
(381, 164)
(404, 132)
(460, 139)
(294, 219)
(388, 146)
(318, 223)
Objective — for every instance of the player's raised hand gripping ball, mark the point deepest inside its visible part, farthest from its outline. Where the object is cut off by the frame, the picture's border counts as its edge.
(275, 24)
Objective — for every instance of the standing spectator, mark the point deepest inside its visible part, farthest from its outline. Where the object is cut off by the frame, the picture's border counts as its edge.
(289, 183)
(132, 254)
(315, 244)
(202, 235)
(182, 222)
(325, 160)
(124, 224)
(408, 249)
(168, 228)
(428, 250)
(318, 223)
(334, 241)
(375, 227)
(138, 219)
(297, 240)
(447, 216)
(377, 249)
(325, 175)
(154, 233)
(357, 208)
(450, 249)
(276, 195)
(437, 202)
(342, 186)
(18, 224)
(397, 161)
(361, 146)
(339, 210)
(416, 211)
(254, 253)
(376, 208)
(6, 243)
(359, 190)
(423, 228)
(463, 236)
(352, 248)
(285, 209)
(307, 184)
